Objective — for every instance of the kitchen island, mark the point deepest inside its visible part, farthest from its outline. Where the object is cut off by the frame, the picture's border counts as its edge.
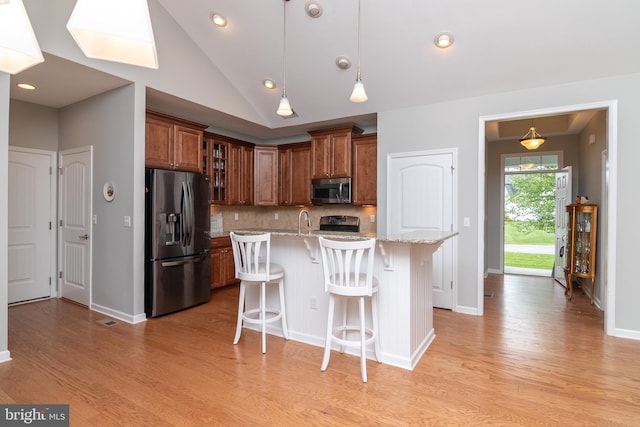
(403, 266)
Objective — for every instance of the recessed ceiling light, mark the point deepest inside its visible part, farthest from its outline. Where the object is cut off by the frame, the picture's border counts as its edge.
(269, 84)
(313, 9)
(443, 39)
(26, 86)
(218, 19)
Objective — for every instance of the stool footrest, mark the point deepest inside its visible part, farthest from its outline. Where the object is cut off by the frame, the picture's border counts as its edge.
(249, 315)
(371, 336)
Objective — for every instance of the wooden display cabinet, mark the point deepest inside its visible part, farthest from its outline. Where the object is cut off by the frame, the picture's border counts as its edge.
(217, 169)
(582, 226)
(223, 270)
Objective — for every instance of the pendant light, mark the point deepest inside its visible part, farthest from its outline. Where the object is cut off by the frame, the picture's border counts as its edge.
(19, 47)
(284, 108)
(114, 30)
(358, 94)
(532, 139)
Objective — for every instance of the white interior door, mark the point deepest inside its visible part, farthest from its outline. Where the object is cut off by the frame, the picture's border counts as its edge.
(31, 234)
(421, 195)
(563, 198)
(75, 224)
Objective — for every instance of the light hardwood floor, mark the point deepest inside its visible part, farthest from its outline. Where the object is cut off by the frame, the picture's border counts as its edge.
(532, 359)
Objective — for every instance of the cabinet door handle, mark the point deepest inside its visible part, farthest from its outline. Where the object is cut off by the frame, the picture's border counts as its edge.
(84, 237)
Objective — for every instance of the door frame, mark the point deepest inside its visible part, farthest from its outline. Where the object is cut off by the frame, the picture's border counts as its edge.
(611, 106)
(53, 210)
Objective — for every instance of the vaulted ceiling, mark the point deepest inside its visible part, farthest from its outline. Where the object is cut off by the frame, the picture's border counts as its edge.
(500, 45)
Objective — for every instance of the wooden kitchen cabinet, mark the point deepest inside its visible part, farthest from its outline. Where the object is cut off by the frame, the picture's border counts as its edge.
(222, 266)
(331, 152)
(294, 174)
(217, 151)
(580, 247)
(240, 174)
(365, 169)
(265, 176)
(172, 143)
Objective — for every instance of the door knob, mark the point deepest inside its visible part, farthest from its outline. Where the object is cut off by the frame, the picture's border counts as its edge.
(85, 237)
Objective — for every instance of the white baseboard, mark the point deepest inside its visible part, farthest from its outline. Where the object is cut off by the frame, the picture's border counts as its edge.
(137, 318)
(5, 356)
(466, 310)
(627, 333)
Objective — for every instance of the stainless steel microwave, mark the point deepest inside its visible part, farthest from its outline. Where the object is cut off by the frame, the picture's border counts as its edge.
(327, 191)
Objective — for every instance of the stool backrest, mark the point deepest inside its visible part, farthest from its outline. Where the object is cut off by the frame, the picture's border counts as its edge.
(348, 266)
(246, 256)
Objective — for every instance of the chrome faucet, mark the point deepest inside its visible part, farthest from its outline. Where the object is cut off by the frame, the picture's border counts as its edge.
(306, 213)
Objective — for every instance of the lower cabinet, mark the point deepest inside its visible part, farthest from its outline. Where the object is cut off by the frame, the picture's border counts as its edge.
(222, 267)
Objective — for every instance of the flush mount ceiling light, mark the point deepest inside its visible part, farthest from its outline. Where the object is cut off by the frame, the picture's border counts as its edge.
(19, 47)
(343, 62)
(284, 108)
(358, 94)
(532, 139)
(443, 39)
(114, 30)
(218, 19)
(313, 9)
(269, 83)
(26, 86)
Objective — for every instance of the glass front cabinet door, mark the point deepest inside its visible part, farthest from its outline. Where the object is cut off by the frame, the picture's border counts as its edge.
(581, 246)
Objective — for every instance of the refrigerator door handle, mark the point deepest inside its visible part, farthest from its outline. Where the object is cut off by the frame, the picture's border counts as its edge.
(186, 215)
(183, 261)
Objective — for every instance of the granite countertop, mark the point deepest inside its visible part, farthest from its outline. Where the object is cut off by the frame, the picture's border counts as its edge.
(425, 237)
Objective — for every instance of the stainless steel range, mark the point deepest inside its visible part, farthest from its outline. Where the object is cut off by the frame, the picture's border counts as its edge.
(340, 223)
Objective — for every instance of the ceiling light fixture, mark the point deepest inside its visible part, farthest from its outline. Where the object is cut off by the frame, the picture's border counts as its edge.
(269, 83)
(114, 30)
(358, 94)
(443, 39)
(532, 139)
(218, 20)
(26, 86)
(19, 47)
(284, 108)
(343, 62)
(313, 9)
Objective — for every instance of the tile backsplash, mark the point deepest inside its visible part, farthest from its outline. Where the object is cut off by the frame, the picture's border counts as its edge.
(287, 216)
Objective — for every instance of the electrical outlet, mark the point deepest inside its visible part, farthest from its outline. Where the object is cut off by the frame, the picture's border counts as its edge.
(275, 216)
(314, 303)
(235, 216)
(466, 222)
(372, 218)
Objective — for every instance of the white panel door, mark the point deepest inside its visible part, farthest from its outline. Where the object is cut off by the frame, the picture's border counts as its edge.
(420, 197)
(75, 224)
(31, 235)
(563, 198)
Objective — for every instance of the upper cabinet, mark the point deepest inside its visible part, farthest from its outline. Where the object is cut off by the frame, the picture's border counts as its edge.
(230, 169)
(265, 176)
(172, 143)
(365, 172)
(331, 152)
(217, 152)
(294, 174)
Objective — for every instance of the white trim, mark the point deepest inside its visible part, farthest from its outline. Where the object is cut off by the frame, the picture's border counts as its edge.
(612, 146)
(138, 318)
(468, 310)
(626, 333)
(5, 356)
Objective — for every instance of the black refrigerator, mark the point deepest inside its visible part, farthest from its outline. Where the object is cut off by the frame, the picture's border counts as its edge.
(177, 242)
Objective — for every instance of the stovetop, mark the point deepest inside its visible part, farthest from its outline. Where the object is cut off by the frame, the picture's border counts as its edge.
(340, 223)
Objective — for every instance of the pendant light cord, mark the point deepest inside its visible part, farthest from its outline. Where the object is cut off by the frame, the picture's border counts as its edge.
(284, 51)
(358, 77)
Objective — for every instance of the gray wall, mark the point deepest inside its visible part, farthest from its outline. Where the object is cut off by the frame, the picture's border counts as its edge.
(106, 122)
(457, 124)
(568, 145)
(33, 126)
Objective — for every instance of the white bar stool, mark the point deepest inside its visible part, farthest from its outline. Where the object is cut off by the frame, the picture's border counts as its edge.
(251, 271)
(343, 263)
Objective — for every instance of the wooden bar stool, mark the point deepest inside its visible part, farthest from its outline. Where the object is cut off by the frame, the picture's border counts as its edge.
(348, 275)
(251, 271)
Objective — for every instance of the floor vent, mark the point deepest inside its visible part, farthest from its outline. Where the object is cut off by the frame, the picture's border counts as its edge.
(107, 322)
